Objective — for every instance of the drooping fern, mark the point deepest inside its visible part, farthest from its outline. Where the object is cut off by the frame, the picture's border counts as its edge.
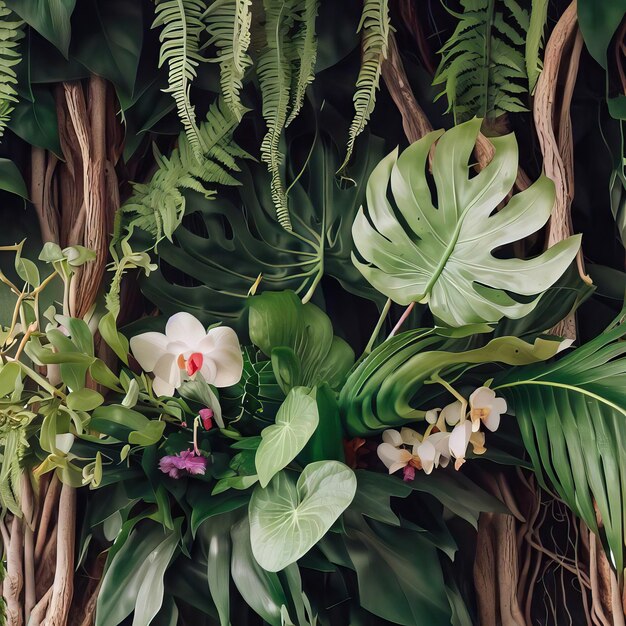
(10, 35)
(482, 65)
(180, 49)
(275, 72)
(228, 24)
(158, 206)
(305, 47)
(374, 26)
(534, 41)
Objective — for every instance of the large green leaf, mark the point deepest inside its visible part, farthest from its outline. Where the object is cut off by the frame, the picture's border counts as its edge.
(382, 392)
(443, 256)
(572, 415)
(225, 244)
(280, 320)
(134, 580)
(296, 421)
(287, 518)
(261, 589)
(50, 18)
(398, 572)
(109, 41)
(599, 20)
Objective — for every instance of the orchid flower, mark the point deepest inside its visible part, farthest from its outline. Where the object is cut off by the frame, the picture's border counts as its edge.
(395, 456)
(485, 407)
(185, 463)
(187, 348)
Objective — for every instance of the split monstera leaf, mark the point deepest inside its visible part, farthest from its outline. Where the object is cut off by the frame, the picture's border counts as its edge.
(440, 251)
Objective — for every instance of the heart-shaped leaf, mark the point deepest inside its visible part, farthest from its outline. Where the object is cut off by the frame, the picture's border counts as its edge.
(296, 421)
(287, 519)
(443, 256)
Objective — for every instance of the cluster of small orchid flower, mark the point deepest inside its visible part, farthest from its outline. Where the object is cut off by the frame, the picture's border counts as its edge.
(450, 432)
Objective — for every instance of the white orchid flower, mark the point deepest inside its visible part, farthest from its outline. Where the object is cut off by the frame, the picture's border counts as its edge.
(393, 453)
(486, 407)
(187, 348)
(459, 440)
(453, 413)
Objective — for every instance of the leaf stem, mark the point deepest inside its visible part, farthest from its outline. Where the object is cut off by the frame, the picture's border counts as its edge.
(402, 319)
(379, 325)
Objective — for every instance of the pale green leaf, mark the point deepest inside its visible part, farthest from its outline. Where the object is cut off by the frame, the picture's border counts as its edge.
(287, 518)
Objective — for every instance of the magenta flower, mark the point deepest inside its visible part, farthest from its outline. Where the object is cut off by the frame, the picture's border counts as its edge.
(206, 415)
(185, 463)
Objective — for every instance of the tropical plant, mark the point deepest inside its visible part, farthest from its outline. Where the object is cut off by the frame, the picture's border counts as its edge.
(254, 370)
(446, 259)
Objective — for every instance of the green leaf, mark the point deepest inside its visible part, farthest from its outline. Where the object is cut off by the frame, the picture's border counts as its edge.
(113, 338)
(260, 589)
(11, 179)
(487, 80)
(281, 442)
(10, 376)
(109, 41)
(287, 519)
(182, 27)
(281, 320)
(50, 18)
(34, 119)
(398, 573)
(326, 443)
(126, 425)
(375, 26)
(134, 579)
(320, 243)
(443, 256)
(380, 393)
(84, 400)
(599, 20)
(204, 507)
(373, 496)
(571, 415)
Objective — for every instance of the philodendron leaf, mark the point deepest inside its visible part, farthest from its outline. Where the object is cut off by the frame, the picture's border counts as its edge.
(443, 255)
(296, 421)
(287, 518)
(280, 320)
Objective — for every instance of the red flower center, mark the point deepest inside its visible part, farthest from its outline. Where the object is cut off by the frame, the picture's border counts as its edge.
(192, 364)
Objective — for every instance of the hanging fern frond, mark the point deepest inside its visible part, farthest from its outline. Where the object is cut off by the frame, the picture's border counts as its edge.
(158, 206)
(305, 48)
(375, 26)
(534, 41)
(482, 65)
(275, 72)
(10, 34)
(228, 23)
(180, 49)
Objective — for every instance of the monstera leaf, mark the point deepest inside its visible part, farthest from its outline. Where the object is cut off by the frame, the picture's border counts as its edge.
(443, 255)
(225, 244)
(287, 518)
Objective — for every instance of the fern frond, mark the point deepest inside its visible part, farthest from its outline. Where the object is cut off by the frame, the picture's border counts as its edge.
(275, 72)
(158, 206)
(10, 34)
(180, 49)
(305, 46)
(482, 67)
(228, 24)
(375, 26)
(534, 41)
